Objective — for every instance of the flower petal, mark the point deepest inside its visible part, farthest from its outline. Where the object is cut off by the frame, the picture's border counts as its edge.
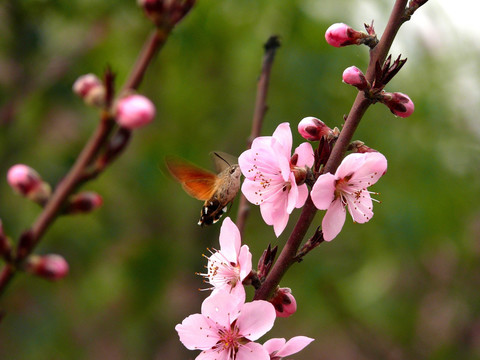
(230, 241)
(222, 307)
(333, 220)
(305, 155)
(323, 191)
(283, 135)
(252, 351)
(302, 195)
(275, 213)
(256, 318)
(373, 168)
(273, 345)
(294, 345)
(197, 332)
(213, 354)
(350, 165)
(360, 206)
(245, 262)
(292, 194)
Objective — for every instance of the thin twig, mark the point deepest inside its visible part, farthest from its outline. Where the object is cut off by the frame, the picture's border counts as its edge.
(261, 107)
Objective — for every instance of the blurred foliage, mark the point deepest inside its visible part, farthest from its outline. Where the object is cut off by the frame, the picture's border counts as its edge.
(403, 286)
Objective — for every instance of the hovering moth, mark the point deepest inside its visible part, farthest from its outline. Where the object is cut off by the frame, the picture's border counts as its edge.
(217, 190)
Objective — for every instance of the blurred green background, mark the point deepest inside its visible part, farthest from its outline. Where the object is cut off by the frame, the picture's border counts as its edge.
(403, 286)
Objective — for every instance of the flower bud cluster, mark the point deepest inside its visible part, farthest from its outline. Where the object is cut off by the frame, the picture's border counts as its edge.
(339, 35)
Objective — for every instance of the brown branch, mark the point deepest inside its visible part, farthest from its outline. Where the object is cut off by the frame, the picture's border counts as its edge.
(156, 41)
(261, 107)
(359, 107)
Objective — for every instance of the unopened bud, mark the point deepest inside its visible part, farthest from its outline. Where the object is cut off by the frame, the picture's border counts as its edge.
(91, 89)
(50, 267)
(398, 103)
(134, 111)
(340, 34)
(27, 182)
(312, 128)
(84, 202)
(354, 76)
(284, 302)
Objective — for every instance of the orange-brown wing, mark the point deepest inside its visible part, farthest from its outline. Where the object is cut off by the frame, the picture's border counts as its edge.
(196, 181)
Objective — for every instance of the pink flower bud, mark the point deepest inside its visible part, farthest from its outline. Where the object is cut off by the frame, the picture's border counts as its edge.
(84, 202)
(312, 128)
(27, 182)
(284, 302)
(50, 267)
(340, 34)
(398, 103)
(354, 76)
(90, 88)
(23, 178)
(134, 111)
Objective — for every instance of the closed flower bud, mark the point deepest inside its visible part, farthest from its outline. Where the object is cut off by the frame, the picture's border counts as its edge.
(50, 267)
(340, 34)
(134, 111)
(84, 202)
(90, 88)
(354, 76)
(284, 302)
(27, 182)
(312, 128)
(398, 103)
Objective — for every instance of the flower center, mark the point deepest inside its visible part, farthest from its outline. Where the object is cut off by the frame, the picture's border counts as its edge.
(221, 272)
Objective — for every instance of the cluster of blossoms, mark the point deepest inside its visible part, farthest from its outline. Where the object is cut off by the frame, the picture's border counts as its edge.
(275, 180)
(228, 327)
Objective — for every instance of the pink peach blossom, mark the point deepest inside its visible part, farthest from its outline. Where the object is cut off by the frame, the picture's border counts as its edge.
(230, 265)
(227, 328)
(348, 187)
(279, 348)
(274, 178)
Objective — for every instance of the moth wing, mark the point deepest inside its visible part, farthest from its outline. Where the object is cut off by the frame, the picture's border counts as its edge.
(223, 160)
(197, 182)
